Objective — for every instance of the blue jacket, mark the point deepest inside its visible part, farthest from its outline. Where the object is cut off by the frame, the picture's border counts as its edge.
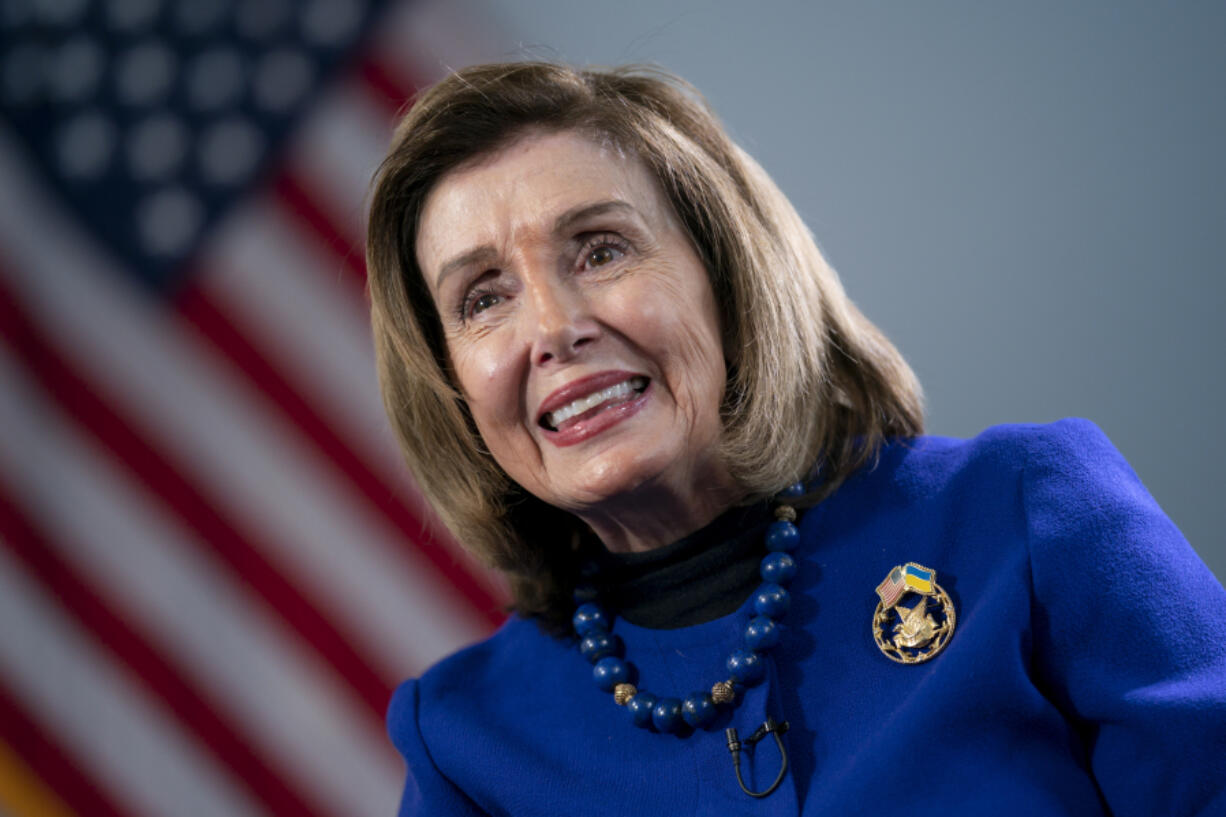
(1086, 674)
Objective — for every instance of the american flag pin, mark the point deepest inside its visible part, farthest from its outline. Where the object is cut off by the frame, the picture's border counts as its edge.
(916, 633)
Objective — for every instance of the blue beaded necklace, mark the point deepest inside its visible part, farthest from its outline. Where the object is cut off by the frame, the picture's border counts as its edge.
(745, 665)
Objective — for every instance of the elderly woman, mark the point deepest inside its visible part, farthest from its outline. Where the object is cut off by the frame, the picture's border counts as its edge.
(743, 581)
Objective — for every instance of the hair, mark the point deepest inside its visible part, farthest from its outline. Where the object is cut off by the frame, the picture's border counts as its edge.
(813, 388)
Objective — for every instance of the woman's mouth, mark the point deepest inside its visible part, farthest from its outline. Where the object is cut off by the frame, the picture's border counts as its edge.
(593, 412)
(586, 406)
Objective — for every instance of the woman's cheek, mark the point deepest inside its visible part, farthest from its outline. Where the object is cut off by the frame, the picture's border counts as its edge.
(478, 370)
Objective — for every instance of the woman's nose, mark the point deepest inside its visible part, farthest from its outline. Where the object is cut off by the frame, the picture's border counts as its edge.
(564, 323)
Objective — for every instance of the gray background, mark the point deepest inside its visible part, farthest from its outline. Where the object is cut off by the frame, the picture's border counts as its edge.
(1027, 197)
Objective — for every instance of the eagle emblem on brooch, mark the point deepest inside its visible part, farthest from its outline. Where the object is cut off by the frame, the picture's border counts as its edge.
(915, 633)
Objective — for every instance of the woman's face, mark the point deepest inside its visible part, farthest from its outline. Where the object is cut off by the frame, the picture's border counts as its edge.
(579, 321)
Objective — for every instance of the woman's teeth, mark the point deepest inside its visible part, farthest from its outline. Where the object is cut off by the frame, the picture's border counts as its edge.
(618, 392)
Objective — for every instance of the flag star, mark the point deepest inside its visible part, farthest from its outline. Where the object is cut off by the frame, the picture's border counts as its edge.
(282, 78)
(168, 221)
(145, 73)
(14, 15)
(22, 75)
(263, 19)
(58, 12)
(75, 69)
(131, 15)
(230, 151)
(215, 79)
(195, 17)
(156, 146)
(331, 22)
(84, 145)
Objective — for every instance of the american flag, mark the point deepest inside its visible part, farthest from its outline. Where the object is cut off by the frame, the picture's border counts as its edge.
(891, 588)
(213, 567)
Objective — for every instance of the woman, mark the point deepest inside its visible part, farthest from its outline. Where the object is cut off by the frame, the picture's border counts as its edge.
(609, 346)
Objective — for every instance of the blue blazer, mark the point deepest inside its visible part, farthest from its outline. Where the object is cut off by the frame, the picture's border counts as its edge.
(1086, 674)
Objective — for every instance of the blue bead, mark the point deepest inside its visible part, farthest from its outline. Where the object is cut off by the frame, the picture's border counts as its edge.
(698, 709)
(667, 715)
(609, 672)
(761, 634)
(794, 490)
(640, 707)
(589, 618)
(597, 645)
(771, 601)
(746, 667)
(782, 535)
(777, 568)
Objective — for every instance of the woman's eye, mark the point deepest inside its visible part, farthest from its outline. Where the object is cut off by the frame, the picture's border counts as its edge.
(601, 256)
(602, 250)
(481, 301)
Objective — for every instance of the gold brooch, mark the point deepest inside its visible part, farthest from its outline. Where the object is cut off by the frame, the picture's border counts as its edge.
(920, 631)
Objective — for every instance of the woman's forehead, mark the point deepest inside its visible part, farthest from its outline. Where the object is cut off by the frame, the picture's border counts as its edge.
(527, 186)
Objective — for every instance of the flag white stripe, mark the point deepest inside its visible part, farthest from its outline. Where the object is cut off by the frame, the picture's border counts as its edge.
(73, 689)
(254, 670)
(338, 151)
(238, 454)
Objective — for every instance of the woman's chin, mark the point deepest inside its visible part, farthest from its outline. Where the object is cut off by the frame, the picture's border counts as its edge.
(626, 478)
(606, 480)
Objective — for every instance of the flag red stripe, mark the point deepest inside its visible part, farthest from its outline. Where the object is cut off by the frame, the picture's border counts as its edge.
(47, 759)
(31, 547)
(196, 306)
(349, 250)
(163, 480)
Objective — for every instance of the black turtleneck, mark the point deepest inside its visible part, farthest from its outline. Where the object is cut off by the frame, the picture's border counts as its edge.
(701, 577)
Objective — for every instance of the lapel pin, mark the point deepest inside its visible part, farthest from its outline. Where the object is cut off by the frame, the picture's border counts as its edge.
(914, 632)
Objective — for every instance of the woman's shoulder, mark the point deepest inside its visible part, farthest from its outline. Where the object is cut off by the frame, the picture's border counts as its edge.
(473, 678)
(1061, 493)
(1015, 444)
(481, 667)
(1072, 451)
(432, 719)
(1023, 490)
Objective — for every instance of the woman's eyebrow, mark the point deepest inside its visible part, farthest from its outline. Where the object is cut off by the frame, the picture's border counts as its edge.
(487, 254)
(584, 211)
(483, 254)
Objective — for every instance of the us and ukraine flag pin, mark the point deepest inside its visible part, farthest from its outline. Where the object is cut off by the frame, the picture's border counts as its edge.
(916, 633)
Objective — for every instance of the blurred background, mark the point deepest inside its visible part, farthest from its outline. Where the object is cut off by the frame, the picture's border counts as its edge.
(213, 570)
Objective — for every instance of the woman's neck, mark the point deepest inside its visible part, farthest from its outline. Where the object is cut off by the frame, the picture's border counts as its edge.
(703, 576)
(655, 515)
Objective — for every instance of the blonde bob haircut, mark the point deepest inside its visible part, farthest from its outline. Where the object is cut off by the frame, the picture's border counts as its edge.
(812, 388)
